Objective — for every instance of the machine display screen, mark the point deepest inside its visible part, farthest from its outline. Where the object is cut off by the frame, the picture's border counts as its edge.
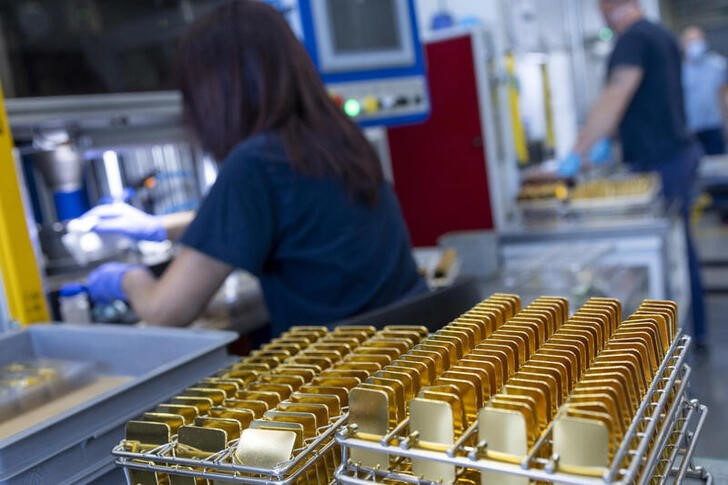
(363, 35)
(364, 25)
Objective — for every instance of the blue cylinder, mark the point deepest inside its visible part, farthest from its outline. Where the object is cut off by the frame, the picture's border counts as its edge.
(69, 205)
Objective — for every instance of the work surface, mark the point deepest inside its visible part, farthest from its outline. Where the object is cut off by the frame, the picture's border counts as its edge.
(718, 468)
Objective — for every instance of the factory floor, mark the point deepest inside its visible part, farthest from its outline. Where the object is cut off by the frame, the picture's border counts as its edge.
(710, 369)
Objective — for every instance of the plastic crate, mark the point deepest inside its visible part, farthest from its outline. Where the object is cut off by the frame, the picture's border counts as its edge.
(75, 445)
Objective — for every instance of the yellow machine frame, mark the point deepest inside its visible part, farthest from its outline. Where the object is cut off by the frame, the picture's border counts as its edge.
(18, 266)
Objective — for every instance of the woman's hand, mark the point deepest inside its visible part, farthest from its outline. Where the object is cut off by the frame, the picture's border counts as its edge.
(122, 219)
(105, 282)
(175, 299)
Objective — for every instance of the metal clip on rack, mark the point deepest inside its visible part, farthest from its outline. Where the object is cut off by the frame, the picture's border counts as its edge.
(658, 446)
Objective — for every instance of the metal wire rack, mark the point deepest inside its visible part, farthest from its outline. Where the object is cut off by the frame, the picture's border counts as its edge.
(658, 446)
(315, 462)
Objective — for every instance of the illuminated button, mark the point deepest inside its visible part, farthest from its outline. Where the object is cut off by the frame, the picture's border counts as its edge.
(352, 107)
(388, 102)
(371, 104)
(606, 34)
(338, 100)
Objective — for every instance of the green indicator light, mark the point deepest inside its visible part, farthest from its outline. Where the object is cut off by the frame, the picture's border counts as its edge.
(606, 34)
(352, 108)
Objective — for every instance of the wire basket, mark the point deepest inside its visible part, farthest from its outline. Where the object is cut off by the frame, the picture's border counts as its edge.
(658, 446)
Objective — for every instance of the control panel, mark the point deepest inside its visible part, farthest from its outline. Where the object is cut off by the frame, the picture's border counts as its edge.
(369, 55)
(388, 98)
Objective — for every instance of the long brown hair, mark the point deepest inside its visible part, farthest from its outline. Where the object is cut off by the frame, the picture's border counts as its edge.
(242, 71)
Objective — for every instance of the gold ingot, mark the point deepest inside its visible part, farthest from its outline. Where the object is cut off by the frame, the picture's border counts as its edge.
(306, 420)
(271, 399)
(581, 442)
(418, 368)
(230, 426)
(199, 442)
(506, 431)
(296, 428)
(320, 411)
(294, 381)
(523, 406)
(395, 401)
(202, 404)
(283, 390)
(255, 406)
(391, 352)
(543, 386)
(433, 420)
(489, 364)
(331, 401)
(318, 330)
(217, 396)
(150, 434)
(401, 344)
(549, 376)
(229, 388)
(370, 411)
(343, 382)
(468, 396)
(174, 421)
(450, 395)
(305, 373)
(366, 329)
(543, 408)
(187, 413)
(369, 367)
(242, 415)
(361, 375)
(406, 379)
(381, 359)
(341, 392)
(262, 448)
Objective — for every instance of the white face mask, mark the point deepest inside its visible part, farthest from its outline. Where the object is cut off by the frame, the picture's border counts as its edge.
(696, 48)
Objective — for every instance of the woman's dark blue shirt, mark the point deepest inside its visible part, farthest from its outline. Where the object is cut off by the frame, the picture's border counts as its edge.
(320, 255)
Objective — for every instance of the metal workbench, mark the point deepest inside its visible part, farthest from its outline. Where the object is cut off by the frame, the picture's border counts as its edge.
(649, 240)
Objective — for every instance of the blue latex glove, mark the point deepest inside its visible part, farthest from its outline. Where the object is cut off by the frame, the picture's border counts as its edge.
(601, 152)
(104, 283)
(570, 166)
(124, 220)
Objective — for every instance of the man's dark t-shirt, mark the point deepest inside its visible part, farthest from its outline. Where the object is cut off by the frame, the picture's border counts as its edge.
(320, 256)
(654, 128)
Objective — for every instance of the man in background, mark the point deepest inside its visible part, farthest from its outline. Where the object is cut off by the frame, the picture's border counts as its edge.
(705, 81)
(642, 103)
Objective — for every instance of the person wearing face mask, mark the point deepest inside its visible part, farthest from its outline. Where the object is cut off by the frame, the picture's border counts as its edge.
(642, 104)
(705, 79)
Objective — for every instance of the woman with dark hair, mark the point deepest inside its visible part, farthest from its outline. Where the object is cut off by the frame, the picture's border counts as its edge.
(300, 200)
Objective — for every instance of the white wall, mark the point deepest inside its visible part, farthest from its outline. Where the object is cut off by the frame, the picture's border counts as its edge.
(549, 15)
(485, 10)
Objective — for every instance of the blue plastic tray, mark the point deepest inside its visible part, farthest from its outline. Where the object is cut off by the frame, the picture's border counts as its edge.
(77, 443)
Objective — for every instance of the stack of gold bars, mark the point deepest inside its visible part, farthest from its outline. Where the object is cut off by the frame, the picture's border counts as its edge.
(640, 185)
(281, 403)
(503, 394)
(511, 395)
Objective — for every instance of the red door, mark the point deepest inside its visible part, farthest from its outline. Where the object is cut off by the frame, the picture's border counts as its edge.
(439, 166)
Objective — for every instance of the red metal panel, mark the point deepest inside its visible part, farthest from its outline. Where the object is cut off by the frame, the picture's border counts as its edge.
(439, 166)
